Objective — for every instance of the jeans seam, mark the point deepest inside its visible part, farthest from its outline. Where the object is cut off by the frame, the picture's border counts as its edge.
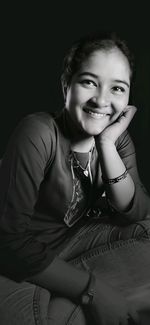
(101, 249)
(106, 248)
(73, 315)
(36, 306)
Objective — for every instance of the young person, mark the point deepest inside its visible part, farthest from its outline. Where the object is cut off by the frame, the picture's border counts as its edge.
(73, 174)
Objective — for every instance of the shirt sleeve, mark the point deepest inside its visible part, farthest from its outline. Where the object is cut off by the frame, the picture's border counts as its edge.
(22, 170)
(140, 206)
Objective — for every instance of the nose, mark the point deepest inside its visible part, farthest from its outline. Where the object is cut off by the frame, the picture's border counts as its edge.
(100, 99)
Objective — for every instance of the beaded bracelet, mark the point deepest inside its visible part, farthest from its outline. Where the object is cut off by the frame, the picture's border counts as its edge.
(116, 179)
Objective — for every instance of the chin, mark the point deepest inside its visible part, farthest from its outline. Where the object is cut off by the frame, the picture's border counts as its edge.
(92, 132)
(92, 129)
(95, 131)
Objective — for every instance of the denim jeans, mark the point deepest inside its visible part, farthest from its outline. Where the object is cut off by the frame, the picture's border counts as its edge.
(121, 255)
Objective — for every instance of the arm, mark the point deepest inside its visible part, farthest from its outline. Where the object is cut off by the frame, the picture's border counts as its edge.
(21, 173)
(121, 193)
(63, 279)
(22, 256)
(140, 206)
(116, 154)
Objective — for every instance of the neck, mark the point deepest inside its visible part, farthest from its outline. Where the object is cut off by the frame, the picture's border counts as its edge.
(82, 145)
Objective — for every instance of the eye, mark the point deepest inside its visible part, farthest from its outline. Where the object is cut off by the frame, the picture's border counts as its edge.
(118, 89)
(88, 83)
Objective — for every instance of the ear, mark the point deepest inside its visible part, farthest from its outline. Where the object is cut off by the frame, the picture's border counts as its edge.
(64, 90)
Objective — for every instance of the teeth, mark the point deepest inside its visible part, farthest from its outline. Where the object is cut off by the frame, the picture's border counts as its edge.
(98, 115)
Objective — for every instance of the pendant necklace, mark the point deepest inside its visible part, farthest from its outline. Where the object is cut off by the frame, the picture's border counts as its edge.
(87, 170)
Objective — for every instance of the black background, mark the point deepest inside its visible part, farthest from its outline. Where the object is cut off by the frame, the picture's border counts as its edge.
(34, 41)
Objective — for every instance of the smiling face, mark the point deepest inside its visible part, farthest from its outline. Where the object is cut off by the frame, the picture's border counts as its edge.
(99, 91)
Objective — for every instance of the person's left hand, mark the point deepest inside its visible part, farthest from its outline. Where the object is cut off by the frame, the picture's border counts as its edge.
(109, 306)
(114, 130)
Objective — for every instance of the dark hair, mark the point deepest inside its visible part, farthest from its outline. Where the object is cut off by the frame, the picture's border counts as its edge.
(82, 48)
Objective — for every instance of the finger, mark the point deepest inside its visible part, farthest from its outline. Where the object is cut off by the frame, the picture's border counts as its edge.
(134, 316)
(127, 115)
(130, 109)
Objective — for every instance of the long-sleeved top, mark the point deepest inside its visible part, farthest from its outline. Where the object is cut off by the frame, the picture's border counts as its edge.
(42, 196)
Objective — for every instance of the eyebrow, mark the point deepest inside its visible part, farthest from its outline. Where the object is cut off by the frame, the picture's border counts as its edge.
(95, 76)
(123, 82)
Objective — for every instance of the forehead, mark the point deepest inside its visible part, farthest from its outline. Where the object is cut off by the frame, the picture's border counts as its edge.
(110, 62)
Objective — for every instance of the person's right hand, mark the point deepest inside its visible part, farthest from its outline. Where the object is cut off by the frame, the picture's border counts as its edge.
(109, 307)
(113, 131)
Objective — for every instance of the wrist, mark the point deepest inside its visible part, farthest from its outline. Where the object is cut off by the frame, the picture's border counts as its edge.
(114, 180)
(88, 293)
(103, 142)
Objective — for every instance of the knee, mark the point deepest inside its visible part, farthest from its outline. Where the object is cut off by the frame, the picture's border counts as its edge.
(142, 229)
(63, 311)
(22, 303)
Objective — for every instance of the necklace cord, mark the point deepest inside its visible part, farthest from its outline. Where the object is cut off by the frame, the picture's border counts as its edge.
(86, 171)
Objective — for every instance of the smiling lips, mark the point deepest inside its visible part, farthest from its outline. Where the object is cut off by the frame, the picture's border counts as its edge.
(95, 113)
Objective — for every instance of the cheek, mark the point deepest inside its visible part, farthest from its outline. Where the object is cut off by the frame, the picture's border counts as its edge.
(72, 98)
(121, 104)
(126, 99)
(79, 95)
